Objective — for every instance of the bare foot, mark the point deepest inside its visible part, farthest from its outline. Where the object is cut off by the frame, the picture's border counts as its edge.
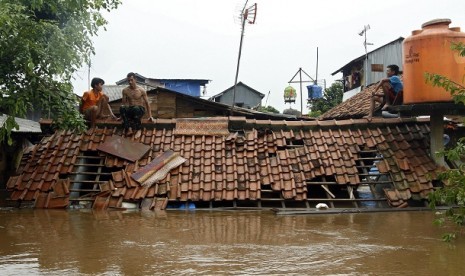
(129, 132)
(138, 134)
(385, 107)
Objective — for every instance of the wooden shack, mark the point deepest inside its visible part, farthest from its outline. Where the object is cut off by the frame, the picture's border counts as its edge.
(168, 104)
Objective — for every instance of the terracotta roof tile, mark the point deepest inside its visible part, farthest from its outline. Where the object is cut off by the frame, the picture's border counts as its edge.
(236, 167)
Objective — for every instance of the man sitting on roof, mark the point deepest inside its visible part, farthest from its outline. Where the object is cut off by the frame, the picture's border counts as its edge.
(94, 103)
(134, 105)
(392, 89)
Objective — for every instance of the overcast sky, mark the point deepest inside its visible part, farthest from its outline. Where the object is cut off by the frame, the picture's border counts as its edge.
(199, 39)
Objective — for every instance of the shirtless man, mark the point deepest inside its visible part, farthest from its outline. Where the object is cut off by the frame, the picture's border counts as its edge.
(94, 103)
(135, 104)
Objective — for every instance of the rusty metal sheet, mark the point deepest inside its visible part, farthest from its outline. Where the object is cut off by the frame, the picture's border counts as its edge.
(124, 148)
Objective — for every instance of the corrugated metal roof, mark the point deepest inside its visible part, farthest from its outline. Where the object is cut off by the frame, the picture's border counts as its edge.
(115, 92)
(212, 98)
(145, 79)
(25, 125)
(362, 57)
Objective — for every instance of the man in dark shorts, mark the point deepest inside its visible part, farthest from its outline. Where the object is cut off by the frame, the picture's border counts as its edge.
(392, 87)
(134, 105)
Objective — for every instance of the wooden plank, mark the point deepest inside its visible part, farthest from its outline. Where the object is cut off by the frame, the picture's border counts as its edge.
(328, 191)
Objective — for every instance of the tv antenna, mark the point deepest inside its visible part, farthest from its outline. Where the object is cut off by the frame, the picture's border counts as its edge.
(365, 44)
(247, 15)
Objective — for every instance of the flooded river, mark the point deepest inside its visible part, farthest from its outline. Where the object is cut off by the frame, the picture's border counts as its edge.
(41, 242)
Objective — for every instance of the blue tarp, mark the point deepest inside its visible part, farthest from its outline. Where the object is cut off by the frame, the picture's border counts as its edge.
(314, 91)
(190, 88)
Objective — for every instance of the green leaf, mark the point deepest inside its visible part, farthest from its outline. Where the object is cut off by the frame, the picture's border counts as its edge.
(42, 43)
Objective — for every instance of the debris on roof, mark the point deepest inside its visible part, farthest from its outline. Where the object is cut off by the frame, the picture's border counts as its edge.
(357, 106)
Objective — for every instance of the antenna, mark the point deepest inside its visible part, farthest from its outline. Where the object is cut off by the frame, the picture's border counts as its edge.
(365, 43)
(248, 15)
(316, 74)
(266, 102)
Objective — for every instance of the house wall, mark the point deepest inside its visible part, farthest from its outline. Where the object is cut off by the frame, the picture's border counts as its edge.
(390, 54)
(167, 105)
(243, 95)
(384, 56)
(10, 156)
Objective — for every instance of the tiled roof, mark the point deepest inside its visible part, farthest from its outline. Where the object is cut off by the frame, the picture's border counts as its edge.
(260, 161)
(355, 107)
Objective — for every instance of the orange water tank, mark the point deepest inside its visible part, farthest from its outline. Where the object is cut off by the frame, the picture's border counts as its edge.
(429, 50)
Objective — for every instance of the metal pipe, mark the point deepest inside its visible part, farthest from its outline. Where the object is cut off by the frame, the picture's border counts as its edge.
(301, 98)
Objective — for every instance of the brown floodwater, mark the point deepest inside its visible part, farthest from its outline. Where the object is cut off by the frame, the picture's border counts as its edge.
(45, 242)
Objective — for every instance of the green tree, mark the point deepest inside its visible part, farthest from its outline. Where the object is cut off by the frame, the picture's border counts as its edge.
(42, 43)
(268, 109)
(332, 96)
(452, 194)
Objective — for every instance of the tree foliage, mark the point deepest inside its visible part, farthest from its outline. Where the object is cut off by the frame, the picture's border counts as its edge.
(332, 96)
(42, 43)
(452, 194)
(268, 109)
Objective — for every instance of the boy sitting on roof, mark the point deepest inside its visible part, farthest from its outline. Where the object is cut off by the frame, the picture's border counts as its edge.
(94, 103)
(392, 89)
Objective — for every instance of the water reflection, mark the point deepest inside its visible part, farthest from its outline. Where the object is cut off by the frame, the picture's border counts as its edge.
(213, 242)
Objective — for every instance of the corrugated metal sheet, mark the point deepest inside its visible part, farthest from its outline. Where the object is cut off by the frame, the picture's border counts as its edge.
(245, 95)
(390, 54)
(124, 148)
(115, 92)
(25, 126)
(361, 58)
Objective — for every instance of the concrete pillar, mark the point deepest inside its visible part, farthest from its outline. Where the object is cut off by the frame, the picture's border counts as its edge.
(437, 133)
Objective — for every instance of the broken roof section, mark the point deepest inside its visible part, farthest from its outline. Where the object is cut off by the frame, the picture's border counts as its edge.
(260, 162)
(356, 107)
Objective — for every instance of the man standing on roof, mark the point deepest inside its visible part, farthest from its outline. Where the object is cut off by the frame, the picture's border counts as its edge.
(392, 88)
(94, 103)
(135, 104)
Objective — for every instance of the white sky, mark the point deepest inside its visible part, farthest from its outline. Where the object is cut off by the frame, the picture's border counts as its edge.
(199, 39)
